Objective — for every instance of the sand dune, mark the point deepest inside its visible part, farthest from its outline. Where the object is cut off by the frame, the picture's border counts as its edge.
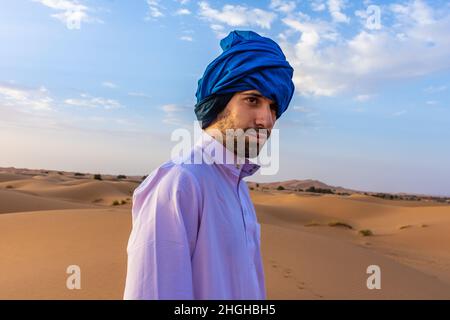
(13, 201)
(311, 243)
(86, 191)
(90, 191)
(10, 177)
(37, 247)
(407, 240)
(302, 265)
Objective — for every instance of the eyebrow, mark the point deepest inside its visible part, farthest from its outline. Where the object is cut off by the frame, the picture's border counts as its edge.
(255, 94)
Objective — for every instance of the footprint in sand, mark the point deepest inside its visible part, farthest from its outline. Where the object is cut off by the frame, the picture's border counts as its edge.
(287, 273)
(300, 285)
(273, 263)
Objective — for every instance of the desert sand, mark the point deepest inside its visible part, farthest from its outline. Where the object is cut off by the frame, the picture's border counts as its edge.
(312, 246)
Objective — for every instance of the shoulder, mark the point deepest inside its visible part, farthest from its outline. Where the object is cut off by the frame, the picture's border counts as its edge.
(170, 178)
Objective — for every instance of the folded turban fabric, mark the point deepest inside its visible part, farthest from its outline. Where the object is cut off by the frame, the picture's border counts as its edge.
(248, 62)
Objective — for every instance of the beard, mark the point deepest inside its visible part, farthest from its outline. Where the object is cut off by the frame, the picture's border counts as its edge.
(244, 142)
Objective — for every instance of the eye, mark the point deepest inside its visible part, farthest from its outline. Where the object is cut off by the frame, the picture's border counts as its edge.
(252, 100)
(274, 107)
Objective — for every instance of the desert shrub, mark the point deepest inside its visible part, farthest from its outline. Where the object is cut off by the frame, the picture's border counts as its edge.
(97, 176)
(388, 196)
(366, 232)
(319, 190)
(339, 224)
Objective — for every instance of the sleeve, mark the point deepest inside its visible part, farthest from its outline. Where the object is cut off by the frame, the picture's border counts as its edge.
(163, 238)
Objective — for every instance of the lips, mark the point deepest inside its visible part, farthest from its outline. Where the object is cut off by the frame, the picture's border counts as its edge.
(258, 136)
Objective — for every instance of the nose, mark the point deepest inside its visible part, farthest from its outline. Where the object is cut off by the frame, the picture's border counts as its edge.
(265, 118)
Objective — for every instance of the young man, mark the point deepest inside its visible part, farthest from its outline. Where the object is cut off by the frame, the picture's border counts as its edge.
(195, 233)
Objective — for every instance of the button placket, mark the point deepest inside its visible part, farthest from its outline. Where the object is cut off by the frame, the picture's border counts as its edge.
(245, 217)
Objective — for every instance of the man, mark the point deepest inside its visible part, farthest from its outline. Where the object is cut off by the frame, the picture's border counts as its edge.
(195, 233)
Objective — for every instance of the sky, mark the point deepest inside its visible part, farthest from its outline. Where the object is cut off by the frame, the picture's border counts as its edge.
(100, 85)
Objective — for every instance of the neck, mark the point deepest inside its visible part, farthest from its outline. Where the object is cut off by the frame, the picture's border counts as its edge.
(216, 134)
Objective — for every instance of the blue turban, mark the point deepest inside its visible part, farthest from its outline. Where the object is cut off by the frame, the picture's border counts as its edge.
(248, 62)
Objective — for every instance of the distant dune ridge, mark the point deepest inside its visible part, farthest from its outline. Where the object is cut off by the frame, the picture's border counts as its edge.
(316, 243)
(301, 184)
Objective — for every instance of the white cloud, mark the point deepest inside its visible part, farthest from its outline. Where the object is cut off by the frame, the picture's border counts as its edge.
(237, 15)
(399, 113)
(432, 102)
(335, 9)
(283, 6)
(169, 108)
(362, 14)
(318, 5)
(327, 62)
(174, 114)
(416, 11)
(306, 112)
(109, 84)
(312, 72)
(93, 102)
(182, 12)
(125, 122)
(301, 109)
(138, 94)
(219, 30)
(359, 109)
(363, 97)
(70, 12)
(217, 27)
(435, 89)
(27, 99)
(186, 38)
(154, 9)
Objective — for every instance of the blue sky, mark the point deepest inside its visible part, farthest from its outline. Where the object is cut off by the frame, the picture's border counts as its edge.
(371, 108)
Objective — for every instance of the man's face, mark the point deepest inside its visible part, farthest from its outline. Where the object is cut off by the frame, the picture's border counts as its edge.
(251, 112)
